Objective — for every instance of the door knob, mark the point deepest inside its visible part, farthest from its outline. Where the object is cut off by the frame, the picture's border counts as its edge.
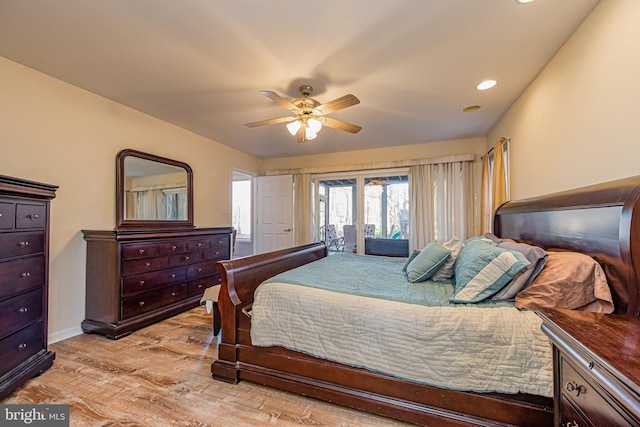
(288, 230)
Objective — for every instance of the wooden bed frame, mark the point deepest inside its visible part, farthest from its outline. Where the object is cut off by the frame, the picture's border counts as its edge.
(602, 221)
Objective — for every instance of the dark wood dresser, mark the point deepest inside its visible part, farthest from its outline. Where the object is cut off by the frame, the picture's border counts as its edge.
(596, 361)
(136, 278)
(24, 273)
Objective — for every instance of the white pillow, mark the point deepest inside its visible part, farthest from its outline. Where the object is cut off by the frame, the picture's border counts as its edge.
(446, 271)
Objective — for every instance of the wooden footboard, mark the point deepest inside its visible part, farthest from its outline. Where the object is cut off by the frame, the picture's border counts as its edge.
(240, 278)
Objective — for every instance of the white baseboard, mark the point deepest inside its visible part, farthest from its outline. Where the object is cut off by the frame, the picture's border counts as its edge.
(63, 335)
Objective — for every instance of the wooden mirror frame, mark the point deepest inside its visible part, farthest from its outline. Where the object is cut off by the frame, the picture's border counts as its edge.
(122, 223)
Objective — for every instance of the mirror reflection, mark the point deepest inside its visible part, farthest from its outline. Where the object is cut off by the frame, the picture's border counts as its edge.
(154, 191)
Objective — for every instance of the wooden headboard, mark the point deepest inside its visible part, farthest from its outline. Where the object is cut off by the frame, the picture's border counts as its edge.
(601, 220)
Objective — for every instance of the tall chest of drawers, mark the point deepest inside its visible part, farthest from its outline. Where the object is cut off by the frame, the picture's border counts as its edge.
(136, 278)
(24, 272)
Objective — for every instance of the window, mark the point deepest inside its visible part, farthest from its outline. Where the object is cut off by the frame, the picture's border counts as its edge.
(241, 205)
(363, 204)
(386, 205)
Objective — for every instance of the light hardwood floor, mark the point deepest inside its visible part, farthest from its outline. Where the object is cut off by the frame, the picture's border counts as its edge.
(160, 376)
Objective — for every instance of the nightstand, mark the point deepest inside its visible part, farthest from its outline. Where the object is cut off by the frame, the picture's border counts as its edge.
(596, 365)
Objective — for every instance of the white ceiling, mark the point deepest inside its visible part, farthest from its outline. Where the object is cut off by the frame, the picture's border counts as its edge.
(199, 64)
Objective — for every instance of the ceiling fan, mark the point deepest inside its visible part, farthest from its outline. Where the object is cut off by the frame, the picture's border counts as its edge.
(310, 115)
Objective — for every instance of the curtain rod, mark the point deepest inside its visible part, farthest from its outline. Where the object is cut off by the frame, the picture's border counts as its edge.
(503, 139)
(367, 166)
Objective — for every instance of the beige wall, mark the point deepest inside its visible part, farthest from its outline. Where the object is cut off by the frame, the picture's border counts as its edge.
(577, 123)
(381, 155)
(59, 134)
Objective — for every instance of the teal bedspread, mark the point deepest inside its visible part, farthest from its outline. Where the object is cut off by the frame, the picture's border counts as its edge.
(371, 276)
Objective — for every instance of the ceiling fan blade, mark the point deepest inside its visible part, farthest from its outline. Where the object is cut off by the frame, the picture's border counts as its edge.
(280, 100)
(301, 134)
(339, 124)
(338, 104)
(270, 122)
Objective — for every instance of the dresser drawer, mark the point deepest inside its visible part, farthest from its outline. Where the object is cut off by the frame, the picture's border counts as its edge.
(153, 249)
(142, 303)
(20, 311)
(221, 242)
(571, 416)
(19, 244)
(197, 287)
(200, 269)
(31, 216)
(21, 274)
(216, 254)
(19, 347)
(7, 215)
(147, 281)
(174, 294)
(197, 245)
(142, 265)
(139, 250)
(587, 398)
(186, 258)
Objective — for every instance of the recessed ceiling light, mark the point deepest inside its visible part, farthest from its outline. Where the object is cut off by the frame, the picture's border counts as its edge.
(471, 108)
(487, 84)
(524, 1)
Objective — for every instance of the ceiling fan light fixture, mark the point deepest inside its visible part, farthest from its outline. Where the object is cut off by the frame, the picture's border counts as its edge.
(294, 126)
(310, 115)
(314, 125)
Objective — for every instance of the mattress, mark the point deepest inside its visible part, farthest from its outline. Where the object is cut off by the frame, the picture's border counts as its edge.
(490, 347)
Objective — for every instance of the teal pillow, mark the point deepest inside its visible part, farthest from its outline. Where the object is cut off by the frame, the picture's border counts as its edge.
(427, 262)
(411, 257)
(482, 269)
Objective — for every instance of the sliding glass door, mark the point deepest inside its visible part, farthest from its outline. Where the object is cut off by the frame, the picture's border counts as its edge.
(359, 206)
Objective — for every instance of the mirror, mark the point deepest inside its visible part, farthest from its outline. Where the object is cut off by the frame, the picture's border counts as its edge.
(152, 192)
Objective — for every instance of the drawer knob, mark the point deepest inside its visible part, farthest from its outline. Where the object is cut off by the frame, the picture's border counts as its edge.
(32, 217)
(141, 303)
(23, 244)
(173, 276)
(147, 264)
(572, 423)
(22, 346)
(24, 275)
(174, 247)
(187, 258)
(173, 294)
(22, 311)
(574, 387)
(0, 214)
(199, 245)
(141, 251)
(141, 282)
(199, 270)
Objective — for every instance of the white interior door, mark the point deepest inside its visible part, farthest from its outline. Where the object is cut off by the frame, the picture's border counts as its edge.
(274, 213)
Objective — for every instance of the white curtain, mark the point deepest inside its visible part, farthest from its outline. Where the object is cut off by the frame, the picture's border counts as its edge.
(149, 204)
(441, 202)
(421, 215)
(302, 213)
